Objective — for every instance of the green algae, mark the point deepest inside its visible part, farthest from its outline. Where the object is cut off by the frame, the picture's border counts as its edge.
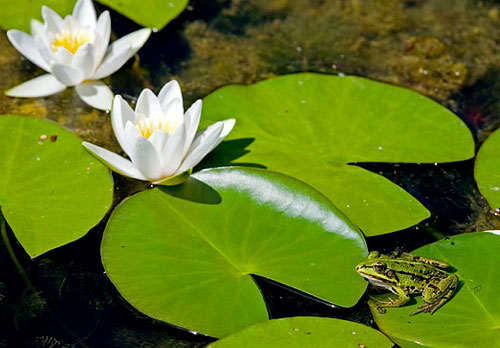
(378, 39)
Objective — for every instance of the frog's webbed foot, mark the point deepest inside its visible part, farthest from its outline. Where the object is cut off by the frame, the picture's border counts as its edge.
(437, 293)
(397, 302)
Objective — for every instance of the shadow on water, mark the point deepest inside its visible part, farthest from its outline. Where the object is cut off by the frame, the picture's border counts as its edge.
(283, 301)
(476, 105)
(70, 302)
(166, 49)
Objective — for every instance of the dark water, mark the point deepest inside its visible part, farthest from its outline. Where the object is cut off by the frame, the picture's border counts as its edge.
(448, 50)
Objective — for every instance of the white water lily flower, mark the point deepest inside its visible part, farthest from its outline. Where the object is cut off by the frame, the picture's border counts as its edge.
(74, 51)
(159, 138)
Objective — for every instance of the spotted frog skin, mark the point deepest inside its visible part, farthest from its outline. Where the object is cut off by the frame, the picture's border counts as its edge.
(407, 274)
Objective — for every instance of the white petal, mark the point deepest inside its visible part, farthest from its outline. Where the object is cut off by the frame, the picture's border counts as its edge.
(113, 61)
(36, 26)
(135, 40)
(174, 111)
(95, 94)
(96, 44)
(114, 162)
(158, 139)
(103, 31)
(63, 56)
(25, 44)
(202, 145)
(122, 50)
(228, 127)
(66, 74)
(84, 60)
(53, 23)
(120, 115)
(145, 158)
(131, 132)
(43, 48)
(149, 105)
(173, 152)
(84, 12)
(169, 92)
(191, 122)
(40, 86)
(70, 24)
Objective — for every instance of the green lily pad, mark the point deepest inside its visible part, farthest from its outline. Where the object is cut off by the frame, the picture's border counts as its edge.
(148, 13)
(51, 190)
(487, 170)
(313, 127)
(186, 254)
(305, 332)
(472, 317)
(18, 14)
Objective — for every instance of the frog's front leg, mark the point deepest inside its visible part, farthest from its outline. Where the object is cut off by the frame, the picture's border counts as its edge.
(436, 293)
(399, 301)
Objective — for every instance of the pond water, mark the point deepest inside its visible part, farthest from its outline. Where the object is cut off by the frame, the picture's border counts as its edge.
(448, 50)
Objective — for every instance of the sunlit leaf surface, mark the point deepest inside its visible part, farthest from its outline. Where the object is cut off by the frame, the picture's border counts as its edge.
(185, 255)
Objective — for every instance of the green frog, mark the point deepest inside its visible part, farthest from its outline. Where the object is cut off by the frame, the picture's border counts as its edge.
(406, 274)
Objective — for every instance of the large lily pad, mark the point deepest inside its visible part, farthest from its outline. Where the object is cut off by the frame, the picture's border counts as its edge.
(305, 332)
(487, 170)
(51, 191)
(472, 317)
(313, 127)
(149, 13)
(186, 256)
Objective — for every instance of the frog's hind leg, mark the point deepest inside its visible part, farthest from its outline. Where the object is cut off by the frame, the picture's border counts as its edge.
(398, 302)
(437, 293)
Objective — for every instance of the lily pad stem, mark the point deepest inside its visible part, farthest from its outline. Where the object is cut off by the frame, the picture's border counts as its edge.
(12, 255)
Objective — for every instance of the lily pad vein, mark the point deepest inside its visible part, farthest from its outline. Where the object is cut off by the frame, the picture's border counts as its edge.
(200, 233)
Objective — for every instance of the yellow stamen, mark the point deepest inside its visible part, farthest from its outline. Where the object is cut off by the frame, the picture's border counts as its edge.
(147, 127)
(71, 40)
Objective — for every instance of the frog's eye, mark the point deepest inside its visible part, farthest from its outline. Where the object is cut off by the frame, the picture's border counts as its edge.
(379, 267)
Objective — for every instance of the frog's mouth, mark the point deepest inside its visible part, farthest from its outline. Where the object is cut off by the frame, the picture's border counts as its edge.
(374, 280)
(381, 283)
